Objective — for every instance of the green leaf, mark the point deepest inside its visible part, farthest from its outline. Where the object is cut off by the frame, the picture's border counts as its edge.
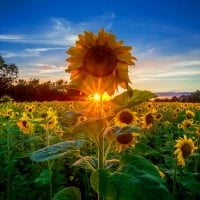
(126, 130)
(57, 150)
(191, 182)
(120, 186)
(98, 180)
(43, 178)
(69, 193)
(141, 164)
(130, 99)
(82, 164)
(124, 186)
(112, 164)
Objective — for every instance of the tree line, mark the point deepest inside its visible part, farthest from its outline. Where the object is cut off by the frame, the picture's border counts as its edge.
(33, 90)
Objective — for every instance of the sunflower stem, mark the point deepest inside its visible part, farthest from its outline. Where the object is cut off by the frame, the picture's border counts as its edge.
(101, 139)
(101, 144)
(196, 158)
(174, 181)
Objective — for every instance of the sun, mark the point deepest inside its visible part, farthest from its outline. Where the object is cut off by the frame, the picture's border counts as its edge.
(99, 63)
(97, 97)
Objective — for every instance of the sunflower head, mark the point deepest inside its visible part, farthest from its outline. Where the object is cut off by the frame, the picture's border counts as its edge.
(147, 120)
(25, 126)
(99, 59)
(189, 114)
(187, 123)
(124, 141)
(184, 147)
(126, 117)
(158, 116)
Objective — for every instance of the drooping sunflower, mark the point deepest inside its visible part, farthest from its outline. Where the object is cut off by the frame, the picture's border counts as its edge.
(99, 63)
(126, 117)
(184, 147)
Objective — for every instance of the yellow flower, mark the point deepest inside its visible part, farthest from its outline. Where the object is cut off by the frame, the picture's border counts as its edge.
(81, 118)
(186, 124)
(25, 126)
(98, 63)
(52, 122)
(189, 114)
(158, 116)
(174, 115)
(184, 147)
(147, 121)
(124, 141)
(126, 117)
(197, 131)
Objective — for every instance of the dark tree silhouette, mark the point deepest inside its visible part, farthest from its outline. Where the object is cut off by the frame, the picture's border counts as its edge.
(8, 74)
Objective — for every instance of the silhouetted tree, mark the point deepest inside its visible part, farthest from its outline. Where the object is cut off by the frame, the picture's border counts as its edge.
(8, 73)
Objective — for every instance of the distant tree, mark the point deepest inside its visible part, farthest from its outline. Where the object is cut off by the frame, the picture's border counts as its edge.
(174, 99)
(8, 74)
(194, 96)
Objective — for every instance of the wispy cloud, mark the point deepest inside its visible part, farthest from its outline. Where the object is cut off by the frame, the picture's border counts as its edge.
(59, 31)
(28, 52)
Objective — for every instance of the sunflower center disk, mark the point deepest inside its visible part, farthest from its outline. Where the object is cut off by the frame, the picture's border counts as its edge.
(125, 138)
(149, 119)
(126, 117)
(99, 61)
(186, 150)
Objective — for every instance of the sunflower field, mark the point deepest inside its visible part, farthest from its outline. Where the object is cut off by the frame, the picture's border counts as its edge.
(49, 150)
(121, 148)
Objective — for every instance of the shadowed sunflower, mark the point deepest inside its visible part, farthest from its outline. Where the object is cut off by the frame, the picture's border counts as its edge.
(184, 147)
(126, 117)
(124, 141)
(81, 119)
(99, 63)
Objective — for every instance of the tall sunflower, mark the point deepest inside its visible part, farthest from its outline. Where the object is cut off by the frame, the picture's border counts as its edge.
(184, 147)
(99, 63)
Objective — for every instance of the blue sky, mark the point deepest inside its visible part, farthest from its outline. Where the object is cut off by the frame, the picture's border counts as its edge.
(164, 34)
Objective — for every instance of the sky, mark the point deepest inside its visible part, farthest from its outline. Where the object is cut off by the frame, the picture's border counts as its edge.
(164, 34)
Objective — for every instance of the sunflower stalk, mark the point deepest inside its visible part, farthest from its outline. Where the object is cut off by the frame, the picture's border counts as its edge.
(174, 180)
(101, 142)
(197, 158)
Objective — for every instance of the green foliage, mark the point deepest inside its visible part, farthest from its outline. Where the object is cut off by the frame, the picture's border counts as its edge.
(43, 178)
(5, 99)
(129, 99)
(8, 73)
(57, 150)
(69, 193)
(136, 178)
